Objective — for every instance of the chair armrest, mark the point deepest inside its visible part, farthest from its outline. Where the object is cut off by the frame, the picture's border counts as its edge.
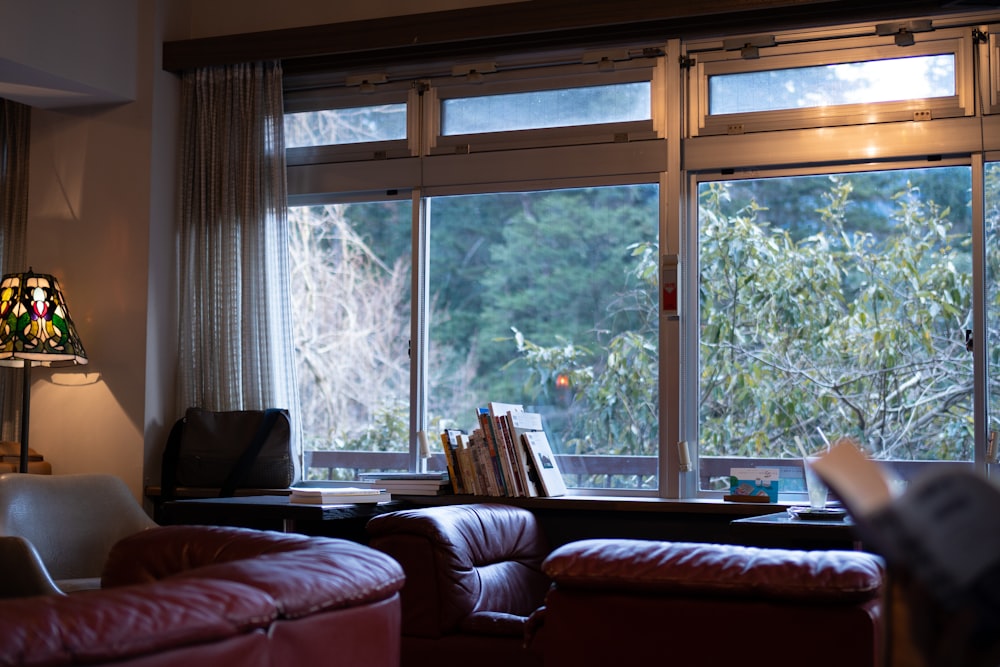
(26, 574)
(461, 560)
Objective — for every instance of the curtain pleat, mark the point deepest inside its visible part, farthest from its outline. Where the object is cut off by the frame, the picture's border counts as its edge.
(15, 137)
(236, 350)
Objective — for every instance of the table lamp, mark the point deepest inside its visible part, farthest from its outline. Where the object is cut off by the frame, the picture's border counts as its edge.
(35, 330)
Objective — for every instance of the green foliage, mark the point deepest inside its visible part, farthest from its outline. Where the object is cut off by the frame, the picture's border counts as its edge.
(841, 333)
(612, 408)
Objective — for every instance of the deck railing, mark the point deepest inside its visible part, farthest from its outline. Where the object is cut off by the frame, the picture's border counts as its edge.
(594, 472)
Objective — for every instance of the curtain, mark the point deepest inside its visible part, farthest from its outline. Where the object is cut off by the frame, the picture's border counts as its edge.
(15, 135)
(236, 351)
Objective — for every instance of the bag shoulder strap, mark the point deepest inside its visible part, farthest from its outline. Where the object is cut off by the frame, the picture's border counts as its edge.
(267, 421)
(171, 455)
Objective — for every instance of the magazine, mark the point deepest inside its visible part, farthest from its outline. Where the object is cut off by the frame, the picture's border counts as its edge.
(940, 535)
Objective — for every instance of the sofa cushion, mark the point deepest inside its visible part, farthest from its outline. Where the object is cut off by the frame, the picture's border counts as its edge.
(302, 574)
(130, 621)
(716, 569)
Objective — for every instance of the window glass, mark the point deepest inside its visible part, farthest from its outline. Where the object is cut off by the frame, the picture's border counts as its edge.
(615, 103)
(548, 299)
(328, 127)
(992, 237)
(835, 306)
(350, 291)
(890, 80)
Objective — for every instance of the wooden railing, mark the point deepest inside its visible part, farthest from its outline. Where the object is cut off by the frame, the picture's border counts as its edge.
(597, 471)
(604, 469)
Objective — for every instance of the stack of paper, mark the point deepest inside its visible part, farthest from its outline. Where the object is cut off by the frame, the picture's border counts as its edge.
(342, 495)
(411, 483)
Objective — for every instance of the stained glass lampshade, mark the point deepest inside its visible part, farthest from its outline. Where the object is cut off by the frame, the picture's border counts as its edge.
(35, 330)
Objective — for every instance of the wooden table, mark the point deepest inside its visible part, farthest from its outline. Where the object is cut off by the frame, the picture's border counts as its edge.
(276, 513)
(780, 529)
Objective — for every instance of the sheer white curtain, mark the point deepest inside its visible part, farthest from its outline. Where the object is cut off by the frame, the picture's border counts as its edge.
(236, 350)
(15, 135)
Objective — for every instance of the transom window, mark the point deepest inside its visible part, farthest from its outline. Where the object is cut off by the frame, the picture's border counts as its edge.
(832, 82)
(866, 82)
(591, 105)
(325, 127)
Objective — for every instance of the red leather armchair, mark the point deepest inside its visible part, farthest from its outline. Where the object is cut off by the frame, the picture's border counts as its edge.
(473, 576)
(709, 605)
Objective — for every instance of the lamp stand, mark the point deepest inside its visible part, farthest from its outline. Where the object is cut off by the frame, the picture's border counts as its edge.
(25, 403)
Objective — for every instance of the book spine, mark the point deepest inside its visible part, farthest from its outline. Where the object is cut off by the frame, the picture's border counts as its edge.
(462, 454)
(509, 459)
(449, 457)
(487, 426)
(524, 467)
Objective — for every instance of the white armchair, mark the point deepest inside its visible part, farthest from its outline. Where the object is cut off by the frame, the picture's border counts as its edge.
(70, 522)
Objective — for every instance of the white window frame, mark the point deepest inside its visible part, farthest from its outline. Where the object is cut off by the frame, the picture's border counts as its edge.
(348, 97)
(957, 41)
(624, 68)
(990, 53)
(690, 360)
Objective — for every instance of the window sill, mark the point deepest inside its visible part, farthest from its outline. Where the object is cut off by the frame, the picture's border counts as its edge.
(624, 504)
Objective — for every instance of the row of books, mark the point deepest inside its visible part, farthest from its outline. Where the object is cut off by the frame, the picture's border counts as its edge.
(507, 455)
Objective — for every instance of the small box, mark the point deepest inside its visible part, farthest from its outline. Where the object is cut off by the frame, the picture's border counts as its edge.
(754, 484)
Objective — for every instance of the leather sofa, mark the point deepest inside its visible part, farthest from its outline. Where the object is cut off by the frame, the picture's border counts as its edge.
(473, 576)
(480, 582)
(708, 605)
(199, 595)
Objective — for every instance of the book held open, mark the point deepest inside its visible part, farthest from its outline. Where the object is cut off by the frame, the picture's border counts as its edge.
(941, 535)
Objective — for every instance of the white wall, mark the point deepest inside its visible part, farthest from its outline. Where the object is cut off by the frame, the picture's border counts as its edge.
(56, 53)
(93, 209)
(102, 206)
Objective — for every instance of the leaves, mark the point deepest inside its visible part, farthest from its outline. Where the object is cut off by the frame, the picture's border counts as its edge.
(844, 331)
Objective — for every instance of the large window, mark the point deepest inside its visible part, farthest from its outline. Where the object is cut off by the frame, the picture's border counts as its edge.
(836, 305)
(498, 234)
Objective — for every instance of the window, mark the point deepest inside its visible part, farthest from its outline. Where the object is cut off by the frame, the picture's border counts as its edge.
(992, 253)
(546, 106)
(591, 105)
(867, 82)
(835, 305)
(506, 225)
(325, 125)
(548, 299)
(351, 292)
(832, 82)
(384, 122)
(540, 271)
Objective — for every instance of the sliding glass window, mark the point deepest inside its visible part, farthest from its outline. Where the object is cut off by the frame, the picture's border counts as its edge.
(835, 305)
(547, 298)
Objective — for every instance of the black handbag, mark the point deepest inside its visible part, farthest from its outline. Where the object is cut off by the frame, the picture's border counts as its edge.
(227, 451)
